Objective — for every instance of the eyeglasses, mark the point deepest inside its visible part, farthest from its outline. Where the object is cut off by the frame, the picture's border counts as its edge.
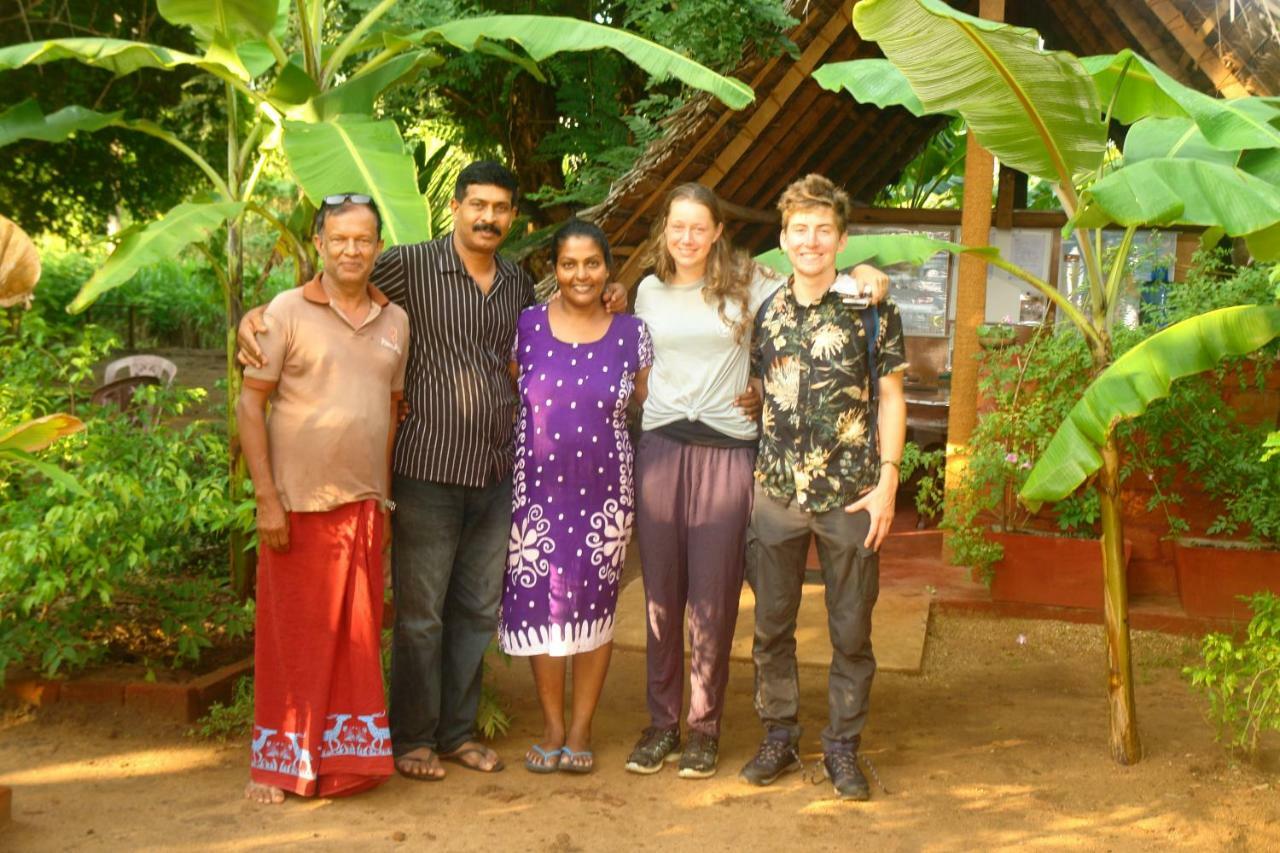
(343, 198)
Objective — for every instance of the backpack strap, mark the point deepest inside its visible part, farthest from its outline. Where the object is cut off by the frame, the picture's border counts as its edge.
(871, 323)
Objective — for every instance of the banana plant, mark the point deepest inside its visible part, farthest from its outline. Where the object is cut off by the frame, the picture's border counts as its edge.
(302, 96)
(22, 442)
(1189, 159)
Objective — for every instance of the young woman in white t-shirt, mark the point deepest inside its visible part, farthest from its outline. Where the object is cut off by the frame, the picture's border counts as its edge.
(694, 467)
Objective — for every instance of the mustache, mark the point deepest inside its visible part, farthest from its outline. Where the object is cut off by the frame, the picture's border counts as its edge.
(487, 228)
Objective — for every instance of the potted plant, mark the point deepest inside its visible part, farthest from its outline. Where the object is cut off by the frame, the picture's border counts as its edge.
(996, 335)
(1051, 557)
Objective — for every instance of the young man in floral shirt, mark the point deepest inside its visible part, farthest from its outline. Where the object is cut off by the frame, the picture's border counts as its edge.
(830, 449)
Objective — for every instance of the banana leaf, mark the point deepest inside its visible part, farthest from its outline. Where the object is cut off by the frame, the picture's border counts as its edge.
(26, 438)
(358, 94)
(1157, 138)
(870, 81)
(1036, 110)
(118, 56)
(1165, 138)
(1140, 96)
(1227, 123)
(27, 121)
(360, 154)
(1136, 379)
(546, 35)
(234, 18)
(884, 249)
(37, 434)
(1185, 192)
(19, 265)
(187, 223)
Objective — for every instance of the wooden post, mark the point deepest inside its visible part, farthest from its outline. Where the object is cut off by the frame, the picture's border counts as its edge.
(971, 293)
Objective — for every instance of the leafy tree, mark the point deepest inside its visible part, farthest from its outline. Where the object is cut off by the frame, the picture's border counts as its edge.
(94, 179)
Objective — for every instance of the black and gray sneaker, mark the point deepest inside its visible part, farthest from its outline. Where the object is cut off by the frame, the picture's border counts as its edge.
(655, 747)
(699, 758)
(841, 767)
(774, 758)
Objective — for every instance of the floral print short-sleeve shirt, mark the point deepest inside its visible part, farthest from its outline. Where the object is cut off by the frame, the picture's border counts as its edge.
(817, 442)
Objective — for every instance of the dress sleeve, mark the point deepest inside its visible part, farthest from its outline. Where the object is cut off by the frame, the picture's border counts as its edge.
(645, 346)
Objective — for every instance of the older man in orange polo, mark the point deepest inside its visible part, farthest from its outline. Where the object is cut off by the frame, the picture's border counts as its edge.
(320, 465)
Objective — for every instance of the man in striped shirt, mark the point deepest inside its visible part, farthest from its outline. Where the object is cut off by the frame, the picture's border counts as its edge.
(452, 467)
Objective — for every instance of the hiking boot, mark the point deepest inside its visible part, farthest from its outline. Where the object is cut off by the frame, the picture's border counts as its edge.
(655, 748)
(774, 758)
(699, 758)
(841, 767)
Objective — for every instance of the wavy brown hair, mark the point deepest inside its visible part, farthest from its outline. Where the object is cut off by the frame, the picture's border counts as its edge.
(729, 269)
(815, 191)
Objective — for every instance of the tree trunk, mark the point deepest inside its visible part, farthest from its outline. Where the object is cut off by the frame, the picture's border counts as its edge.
(532, 116)
(242, 564)
(1125, 746)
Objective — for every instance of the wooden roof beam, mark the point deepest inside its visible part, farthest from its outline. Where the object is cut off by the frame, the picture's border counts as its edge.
(764, 114)
(1148, 39)
(888, 169)
(754, 185)
(1205, 57)
(766, 147)
(1092, 28)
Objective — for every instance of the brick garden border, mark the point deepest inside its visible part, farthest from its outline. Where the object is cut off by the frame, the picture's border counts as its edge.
(183, 702)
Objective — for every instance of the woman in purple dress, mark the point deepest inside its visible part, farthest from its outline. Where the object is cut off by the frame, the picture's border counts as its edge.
(576, 368)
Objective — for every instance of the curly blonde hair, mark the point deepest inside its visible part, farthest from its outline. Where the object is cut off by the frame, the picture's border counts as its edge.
(729, 269)
(815, 191)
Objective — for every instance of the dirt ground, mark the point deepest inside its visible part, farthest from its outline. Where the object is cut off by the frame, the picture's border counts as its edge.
(1001, 743)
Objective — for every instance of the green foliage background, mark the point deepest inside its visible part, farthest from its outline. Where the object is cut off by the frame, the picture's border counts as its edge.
(80, 186)
(135, 567)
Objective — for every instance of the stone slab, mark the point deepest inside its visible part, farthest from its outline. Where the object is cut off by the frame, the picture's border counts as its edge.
(898, 627)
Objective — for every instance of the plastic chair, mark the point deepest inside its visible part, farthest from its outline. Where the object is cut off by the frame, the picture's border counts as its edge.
(119, 394)
(141, 365)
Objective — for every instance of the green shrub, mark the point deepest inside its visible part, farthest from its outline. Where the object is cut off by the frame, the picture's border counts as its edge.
(137, 565)
(1242, 680)
(1032, 386)
(228, 721)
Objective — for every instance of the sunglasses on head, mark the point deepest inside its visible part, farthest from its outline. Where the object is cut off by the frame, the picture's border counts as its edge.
(343, 198)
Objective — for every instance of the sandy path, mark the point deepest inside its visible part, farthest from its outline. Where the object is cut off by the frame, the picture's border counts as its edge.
(998, 745)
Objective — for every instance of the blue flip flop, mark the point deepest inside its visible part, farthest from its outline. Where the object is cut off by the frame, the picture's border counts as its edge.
(549, 763)
(568, 766)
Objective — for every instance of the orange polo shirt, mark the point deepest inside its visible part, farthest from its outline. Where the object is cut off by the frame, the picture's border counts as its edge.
(332, 383)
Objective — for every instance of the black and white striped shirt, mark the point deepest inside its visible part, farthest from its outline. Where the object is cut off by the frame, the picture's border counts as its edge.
(462, 406)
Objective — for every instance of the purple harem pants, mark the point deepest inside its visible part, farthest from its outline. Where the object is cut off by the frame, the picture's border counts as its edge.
(693, 505)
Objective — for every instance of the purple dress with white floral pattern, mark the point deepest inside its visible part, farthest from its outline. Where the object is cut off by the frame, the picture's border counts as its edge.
(573, 498)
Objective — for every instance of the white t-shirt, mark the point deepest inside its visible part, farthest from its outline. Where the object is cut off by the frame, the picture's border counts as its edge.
(698, 366)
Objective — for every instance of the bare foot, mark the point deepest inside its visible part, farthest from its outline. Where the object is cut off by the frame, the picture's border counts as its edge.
(475, 756)
(264, 794)
(420, 765)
